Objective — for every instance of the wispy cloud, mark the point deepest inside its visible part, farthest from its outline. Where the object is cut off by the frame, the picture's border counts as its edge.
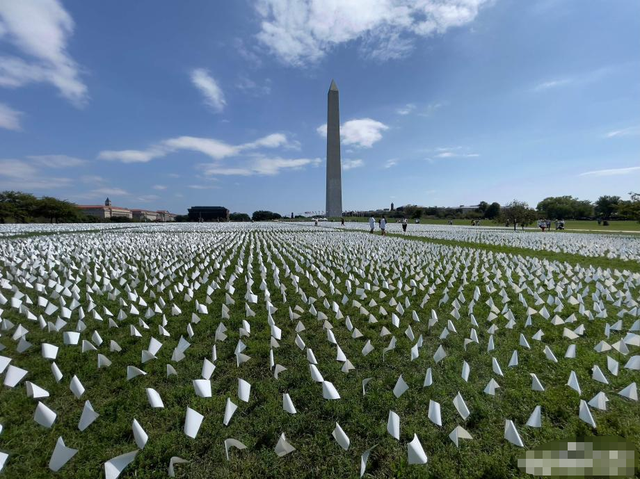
(547, 85)
(264, 166)
(208, 86)
(631, 131)
(612, 171)
(10, 118)
(18, 174)
(203, 187)
(92, 179)
(148, 198)
(215, 149)
(249, 86)
(405, 110)
(110, 192)
(454, 152)
(133, 156)
(102, 192)
(577, 79)
(246, 52)
(40, 30)
(351, 164)
(57, 161)
(431, 109)
(159, 187)
(391, 163)
(361, 132)
(303, 32)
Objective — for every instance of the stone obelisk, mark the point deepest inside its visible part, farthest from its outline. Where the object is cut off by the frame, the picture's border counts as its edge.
(334, 164)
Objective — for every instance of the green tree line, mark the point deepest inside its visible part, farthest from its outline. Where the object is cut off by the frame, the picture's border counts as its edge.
(553, 207)
(21, 207)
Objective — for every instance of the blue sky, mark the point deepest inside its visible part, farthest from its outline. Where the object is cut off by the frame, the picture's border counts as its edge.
(164, 105)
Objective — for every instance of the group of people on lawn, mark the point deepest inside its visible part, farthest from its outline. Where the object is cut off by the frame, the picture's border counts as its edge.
(383, 225)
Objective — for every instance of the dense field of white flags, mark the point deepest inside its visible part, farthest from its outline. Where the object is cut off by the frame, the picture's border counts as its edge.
(141, 351)
(625, 247)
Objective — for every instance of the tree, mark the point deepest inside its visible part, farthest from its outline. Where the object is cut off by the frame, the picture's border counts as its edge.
(606, 206)
(7, 210)
(262, 215)
(17, 205)
(239, 217)
(493, 211)
(565, 207)
(518, 212)
(630, 209)
(55, 210)
(482, 207)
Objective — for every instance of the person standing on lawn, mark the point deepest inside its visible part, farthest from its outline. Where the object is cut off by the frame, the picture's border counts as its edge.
(404, 225)
(372, 224)
(383, 225)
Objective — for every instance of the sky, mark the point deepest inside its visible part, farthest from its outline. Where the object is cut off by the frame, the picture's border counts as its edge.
(163, 105)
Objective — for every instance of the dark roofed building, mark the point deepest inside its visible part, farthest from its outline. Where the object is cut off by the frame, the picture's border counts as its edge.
(208, 213)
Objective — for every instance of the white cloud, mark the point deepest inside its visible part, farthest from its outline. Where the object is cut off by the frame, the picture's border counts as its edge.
(92, 179)
(247, 52)
(148, 198)
(18, 174)
(225, 171)
(431, 109)
(270, 141)
(612, 172)
(391, 163)
(213, 148)
(57, 161)
(351, 164)
(405, 110)
(272, 166)
(132, 156)
(203, 187)
(260, 166)
(159, 187)
(249, 86)
(362, 132)
(552, 84)
(210, 147)
(300, 32)
(110, 192)
(454, 152)
(214, 97)
(17, 169)
(9, 118)
(631, 131)
(40, 29)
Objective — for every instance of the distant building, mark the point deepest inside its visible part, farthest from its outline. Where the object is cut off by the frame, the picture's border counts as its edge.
(468, 209)
(164, 216)
(144, 215)
(208, 213)
(392, 208)
(108, 211)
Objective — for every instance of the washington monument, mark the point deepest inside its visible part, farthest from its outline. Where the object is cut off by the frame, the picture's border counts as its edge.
(334, 166)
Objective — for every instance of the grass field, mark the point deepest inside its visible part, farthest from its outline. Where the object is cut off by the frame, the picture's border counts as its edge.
(591, 226)
(200, 264)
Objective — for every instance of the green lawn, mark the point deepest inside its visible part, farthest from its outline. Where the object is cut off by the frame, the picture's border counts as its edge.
(259, 423)
(592, 226)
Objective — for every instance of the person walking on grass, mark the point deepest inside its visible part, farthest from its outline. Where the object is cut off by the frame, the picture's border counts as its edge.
(404, 225)
(342, 221)
(372, 224)
(383, 226)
